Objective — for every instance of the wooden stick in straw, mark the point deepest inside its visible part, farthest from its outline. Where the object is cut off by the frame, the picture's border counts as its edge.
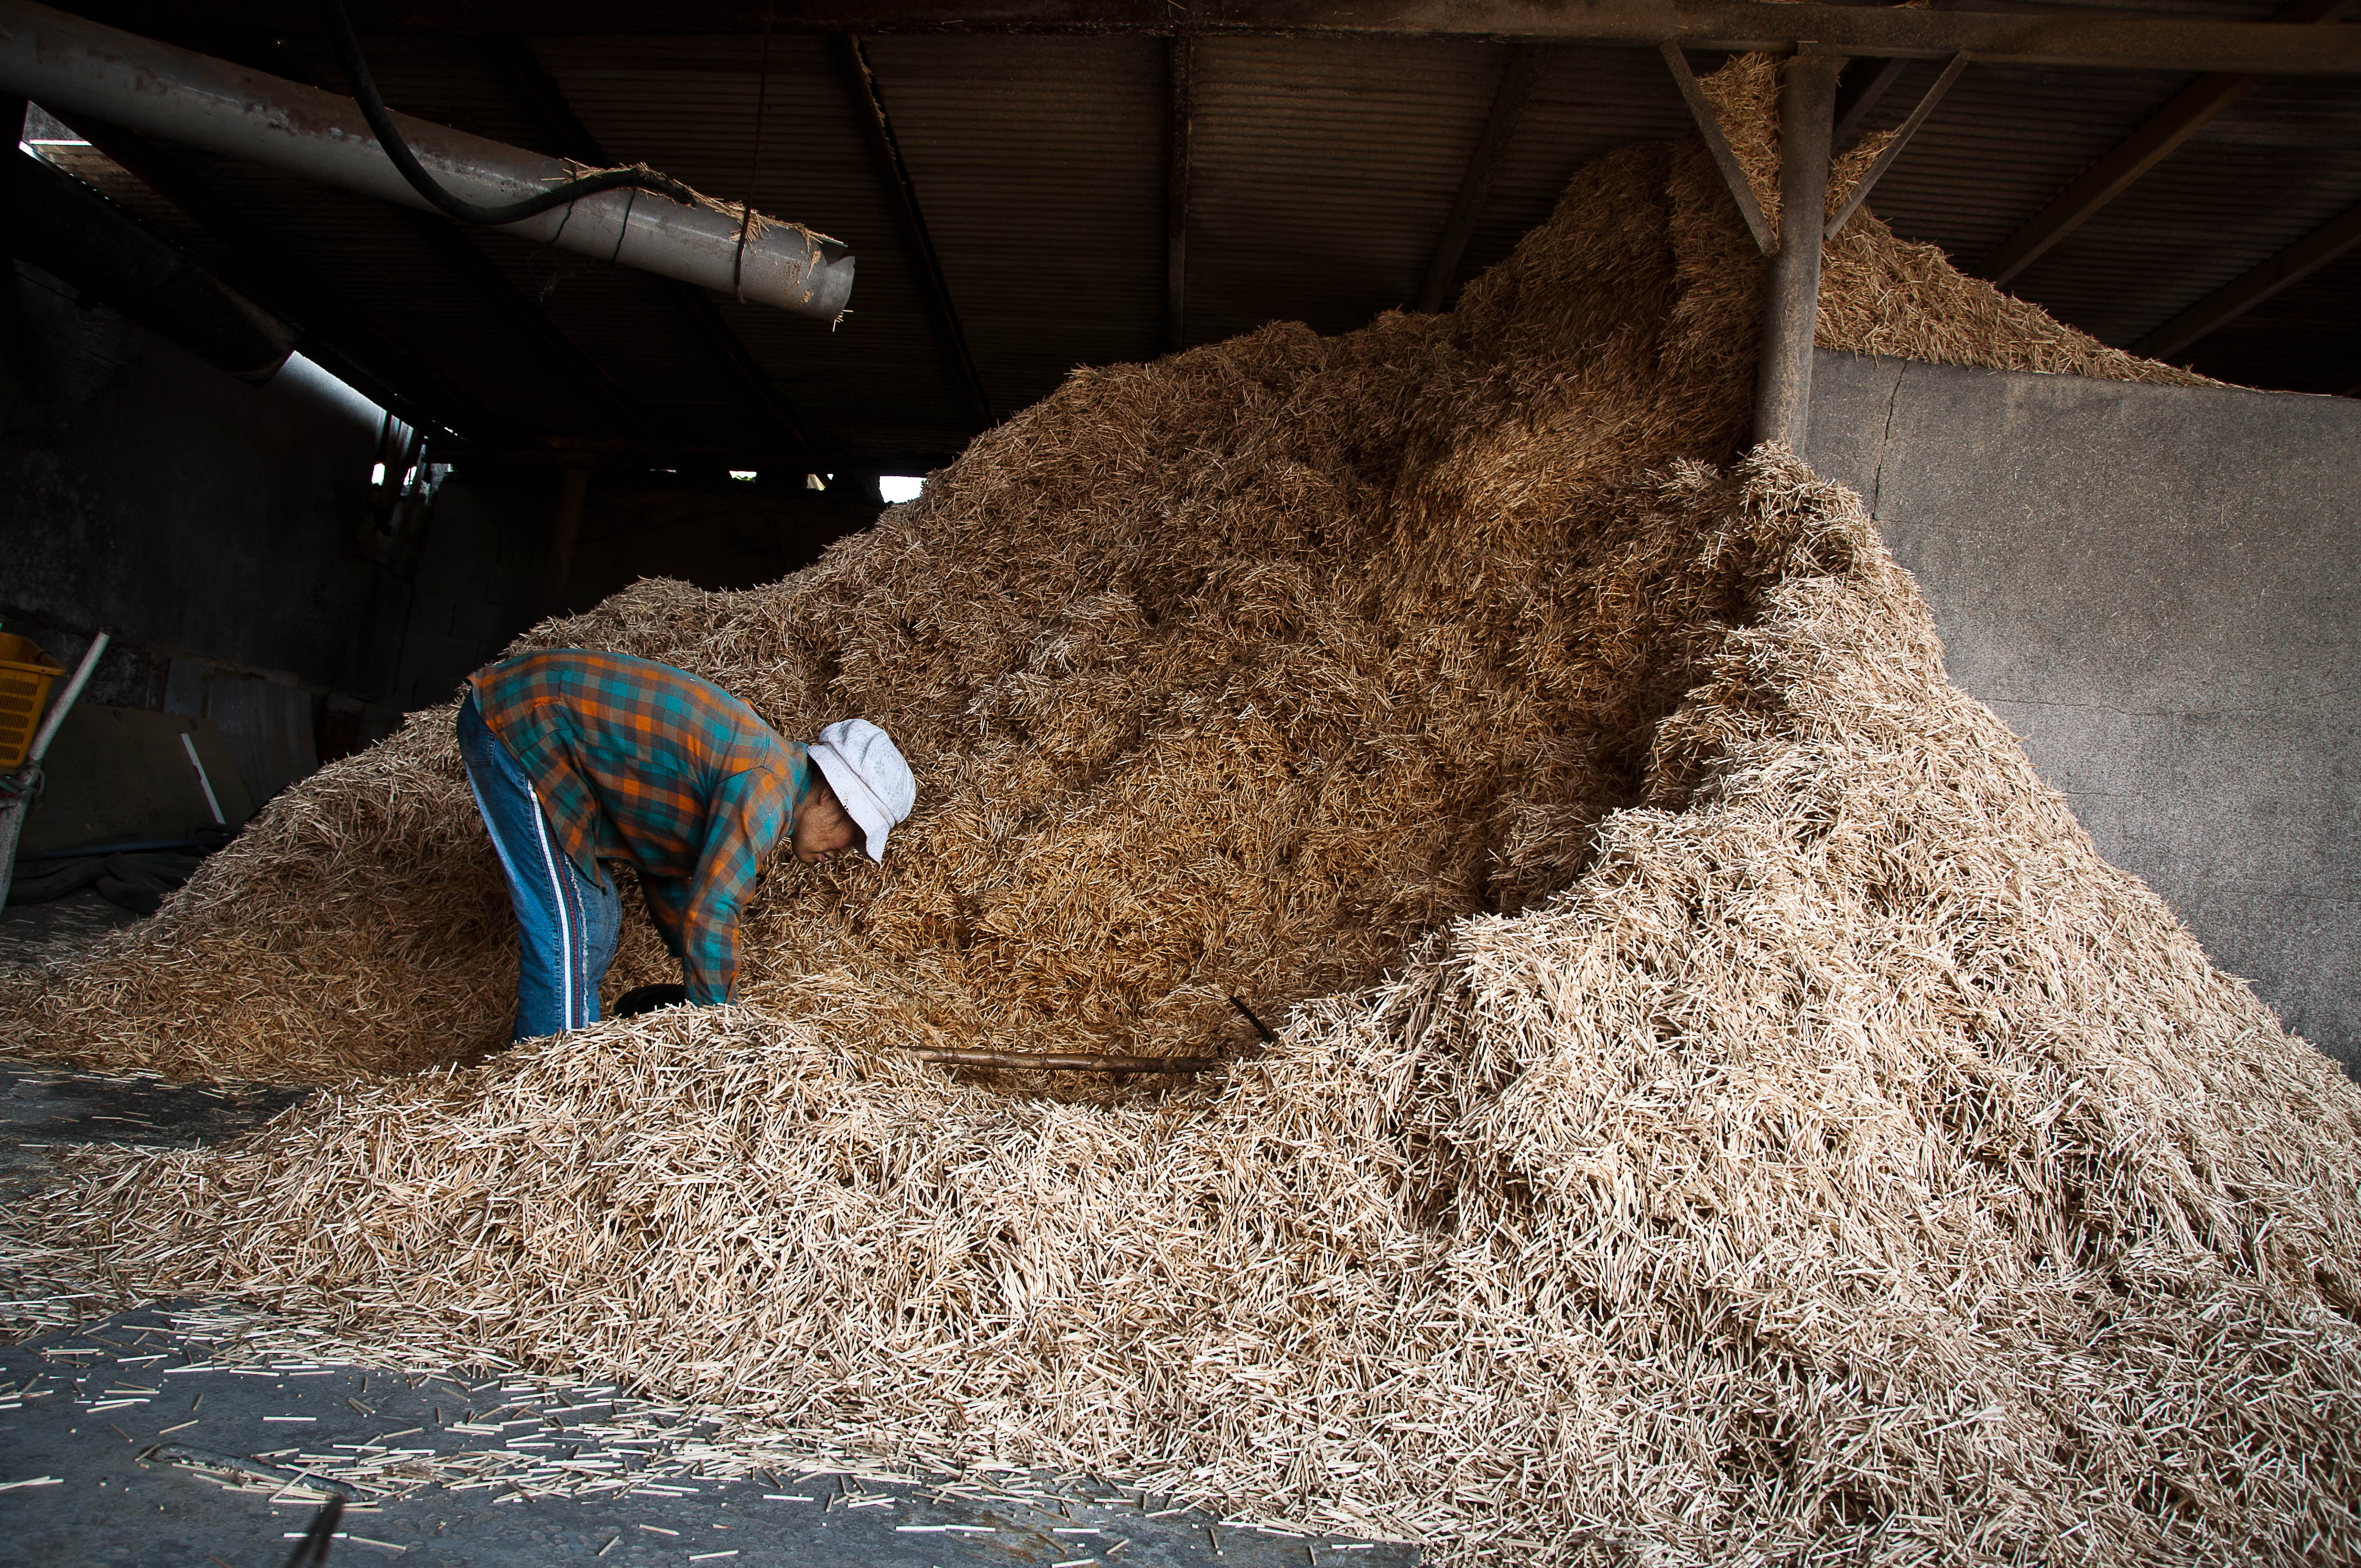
(1060, 1061)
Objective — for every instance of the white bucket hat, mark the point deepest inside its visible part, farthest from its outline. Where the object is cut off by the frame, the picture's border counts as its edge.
(871, 780)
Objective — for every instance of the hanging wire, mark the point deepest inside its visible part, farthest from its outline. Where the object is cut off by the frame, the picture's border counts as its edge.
(380, 121)
(754, 168)
(622, 231)
(550, 276)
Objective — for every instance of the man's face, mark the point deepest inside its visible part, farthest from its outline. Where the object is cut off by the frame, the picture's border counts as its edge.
(823, 829)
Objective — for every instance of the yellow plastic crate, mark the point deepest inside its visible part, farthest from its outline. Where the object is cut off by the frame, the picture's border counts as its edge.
(26, 677)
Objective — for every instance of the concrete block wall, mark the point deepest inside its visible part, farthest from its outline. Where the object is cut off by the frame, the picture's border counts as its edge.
(2159, 589)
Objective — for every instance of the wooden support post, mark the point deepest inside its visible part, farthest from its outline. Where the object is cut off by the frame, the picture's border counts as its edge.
(1783, 376)
(565, 531)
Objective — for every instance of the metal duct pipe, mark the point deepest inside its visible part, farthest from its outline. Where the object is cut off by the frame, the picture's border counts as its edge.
(65, 63)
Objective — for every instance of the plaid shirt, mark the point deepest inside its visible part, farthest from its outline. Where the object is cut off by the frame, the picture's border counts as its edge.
(635, 761)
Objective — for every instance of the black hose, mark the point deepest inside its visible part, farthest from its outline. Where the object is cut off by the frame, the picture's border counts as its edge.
(389, 136)
(1260, 1027)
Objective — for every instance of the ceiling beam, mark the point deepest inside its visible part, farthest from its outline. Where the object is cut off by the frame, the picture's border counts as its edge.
(1910, 32)
(528, 81)
(2189, 112)
(337, 332)
(1864, 86)
(2235, 299)
(1517, 77)
(878, 128)
(1180, 116)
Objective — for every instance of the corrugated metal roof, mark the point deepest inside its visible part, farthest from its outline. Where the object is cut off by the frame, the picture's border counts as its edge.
(2003, 141)
(1040, 169)
(2266, 171)
(1322, 171)
(2274, 167)
(1585, 102)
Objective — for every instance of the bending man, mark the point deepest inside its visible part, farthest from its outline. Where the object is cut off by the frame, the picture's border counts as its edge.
(578, 757)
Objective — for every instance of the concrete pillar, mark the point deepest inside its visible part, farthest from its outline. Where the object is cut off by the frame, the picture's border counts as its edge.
(1783, 376)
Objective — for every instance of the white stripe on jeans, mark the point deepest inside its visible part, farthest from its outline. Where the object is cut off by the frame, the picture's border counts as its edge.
(558, 884)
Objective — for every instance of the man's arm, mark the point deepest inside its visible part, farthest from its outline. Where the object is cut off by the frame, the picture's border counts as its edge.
(749, 812)
(668, 906)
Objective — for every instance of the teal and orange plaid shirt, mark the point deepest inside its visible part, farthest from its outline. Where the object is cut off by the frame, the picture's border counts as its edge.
(635, 761)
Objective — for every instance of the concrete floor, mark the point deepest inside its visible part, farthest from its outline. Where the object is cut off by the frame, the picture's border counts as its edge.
(196, 1435)
(131, 1442)
(62, 924)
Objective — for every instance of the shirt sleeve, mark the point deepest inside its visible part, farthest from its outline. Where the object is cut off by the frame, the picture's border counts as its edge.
(746, 815)
(667, 903)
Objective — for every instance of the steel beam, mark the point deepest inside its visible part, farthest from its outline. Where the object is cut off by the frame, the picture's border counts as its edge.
(65, 227)
(1906, 32)
(2235, 299)
(1180, 116)
(878, 128)
(527, 80)
(1517, 77)
(2111, 176)
(337, 332)
(1783, 376)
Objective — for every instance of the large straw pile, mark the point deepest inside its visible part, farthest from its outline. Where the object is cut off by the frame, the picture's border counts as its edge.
(1224, 675)
(1816, 1150)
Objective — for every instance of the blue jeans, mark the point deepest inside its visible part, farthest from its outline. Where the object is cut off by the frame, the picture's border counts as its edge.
(566, 924)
